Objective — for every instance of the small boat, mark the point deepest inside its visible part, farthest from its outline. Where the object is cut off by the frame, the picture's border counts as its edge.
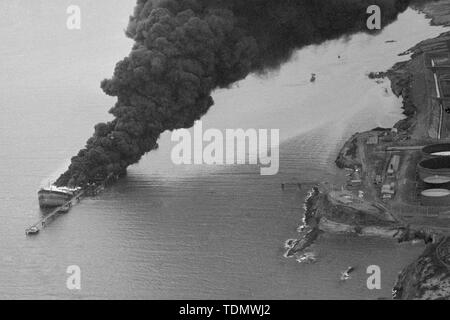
(346, 274)
(313, 77)
(32, 230)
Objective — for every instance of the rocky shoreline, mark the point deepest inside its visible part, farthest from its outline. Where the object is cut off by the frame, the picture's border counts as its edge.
(429, 276)
(426, 278)
(323, 214)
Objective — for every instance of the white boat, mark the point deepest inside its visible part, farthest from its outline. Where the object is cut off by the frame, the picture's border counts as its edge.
(346, 274)
(32, 230)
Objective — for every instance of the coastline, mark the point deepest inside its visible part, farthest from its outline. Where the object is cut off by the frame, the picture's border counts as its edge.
(342, 212)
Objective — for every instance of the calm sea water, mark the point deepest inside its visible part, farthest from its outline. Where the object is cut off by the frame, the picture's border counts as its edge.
(183, 232)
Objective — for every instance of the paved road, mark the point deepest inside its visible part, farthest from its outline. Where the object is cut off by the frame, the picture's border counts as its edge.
(438, 94)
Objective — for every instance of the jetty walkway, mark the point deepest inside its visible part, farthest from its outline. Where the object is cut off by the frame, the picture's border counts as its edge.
(51, 216)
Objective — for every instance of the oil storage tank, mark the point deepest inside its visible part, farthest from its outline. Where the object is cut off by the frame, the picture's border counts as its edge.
(437, 182)
(436, 198)
(437, 150)
(439, 166)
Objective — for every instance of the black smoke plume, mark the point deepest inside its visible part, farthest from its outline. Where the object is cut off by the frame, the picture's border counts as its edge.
(184, 49)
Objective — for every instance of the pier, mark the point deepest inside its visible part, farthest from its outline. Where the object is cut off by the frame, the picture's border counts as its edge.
(300, 184)
(48, 218)
(87, 192)
(404, 148)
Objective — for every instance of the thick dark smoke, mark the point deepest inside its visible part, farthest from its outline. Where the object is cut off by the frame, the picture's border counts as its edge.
(184, 49)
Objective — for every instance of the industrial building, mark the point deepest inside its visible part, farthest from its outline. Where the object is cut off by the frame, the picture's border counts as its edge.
(393, 165)
(388, 191)
(372, 139)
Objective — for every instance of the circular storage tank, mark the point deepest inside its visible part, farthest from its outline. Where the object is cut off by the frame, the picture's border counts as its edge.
(435, 197)
(439, 166)
(437, 182)
(439, 150)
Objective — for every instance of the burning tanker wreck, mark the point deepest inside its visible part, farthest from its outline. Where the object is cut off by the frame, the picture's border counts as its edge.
(185, 49)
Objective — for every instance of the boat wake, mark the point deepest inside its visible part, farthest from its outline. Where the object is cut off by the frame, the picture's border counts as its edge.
(307, 257)
(345, 275)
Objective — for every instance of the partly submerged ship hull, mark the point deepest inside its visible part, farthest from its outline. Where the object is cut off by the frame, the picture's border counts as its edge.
(52, 199)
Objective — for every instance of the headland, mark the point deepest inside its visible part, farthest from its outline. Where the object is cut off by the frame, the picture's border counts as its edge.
(399, 178)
